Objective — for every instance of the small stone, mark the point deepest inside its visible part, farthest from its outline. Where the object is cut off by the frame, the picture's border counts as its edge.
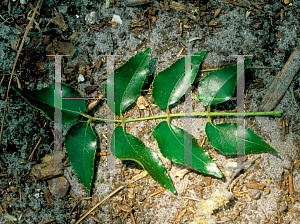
(255, 194)
(80, 78)
(282, 207)
(58, 186)
(91, 18)
(116, 19)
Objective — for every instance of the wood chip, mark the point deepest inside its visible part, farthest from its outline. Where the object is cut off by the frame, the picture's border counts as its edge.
(255, 185)
(124, 208)
(142, 103)
(139, 176)
(166, 5)
(48, 221)
(207, 181)
(46, 169)
(296, 164)
(217, 12)
(181, 214)
(73, 36)
(181, 173)
(136, 3)
(236, 3)
(48, 198)
(177, 5)
(291, 186)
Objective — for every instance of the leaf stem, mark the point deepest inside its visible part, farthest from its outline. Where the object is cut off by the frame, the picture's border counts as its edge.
(205, 114)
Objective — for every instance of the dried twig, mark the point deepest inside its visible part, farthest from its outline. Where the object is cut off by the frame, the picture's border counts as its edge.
(99, 203)
(247, 165)
(236, 3)
(36, 146)
(14, 67)
(281, 82)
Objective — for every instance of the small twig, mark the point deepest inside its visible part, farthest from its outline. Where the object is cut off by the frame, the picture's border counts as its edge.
(133, 220)
(247, 165)
(195, 199)
(94, 103)
(99, 203)
(203, 141)
(14, 66)
(293, 98)
(2, 80)
(224, 220)
(236, 3)
(36, 146)
(278, 88)
(100, 8)
(128, 130)
(157, 192)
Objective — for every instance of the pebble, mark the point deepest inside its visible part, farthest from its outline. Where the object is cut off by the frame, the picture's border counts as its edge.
(116, 19)
(91, 18)
(255, 194)
(282, 207)
(58, 186)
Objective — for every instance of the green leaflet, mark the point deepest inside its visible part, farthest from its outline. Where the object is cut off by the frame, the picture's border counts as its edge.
(223, 137)
(129, 79)
(170, 140)
(219, 84)
(81, 145)
(128, 147)
(169, 86)
(43, 100)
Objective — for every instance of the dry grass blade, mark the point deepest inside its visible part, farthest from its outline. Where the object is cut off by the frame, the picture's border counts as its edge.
(14, 67)
(99, 203)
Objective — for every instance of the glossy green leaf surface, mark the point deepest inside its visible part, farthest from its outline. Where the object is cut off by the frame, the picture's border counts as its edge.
(81, 145)
(129, 79)
(219, 84)
(223, 137)
(169, 86)
(43, 100)
(129, 147)
(170, 139)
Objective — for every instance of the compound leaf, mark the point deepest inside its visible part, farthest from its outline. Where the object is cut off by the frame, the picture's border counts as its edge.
(170, 139)
(81, 145)
(128, 79)
(169, 85)
(125, 146)
(43, 100)
(223, 137)
(219, 85)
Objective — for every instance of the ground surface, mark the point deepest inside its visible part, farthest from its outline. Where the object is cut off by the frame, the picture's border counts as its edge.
(271, 32)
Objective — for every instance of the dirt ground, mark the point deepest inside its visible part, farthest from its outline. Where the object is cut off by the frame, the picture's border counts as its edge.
(269, 30)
